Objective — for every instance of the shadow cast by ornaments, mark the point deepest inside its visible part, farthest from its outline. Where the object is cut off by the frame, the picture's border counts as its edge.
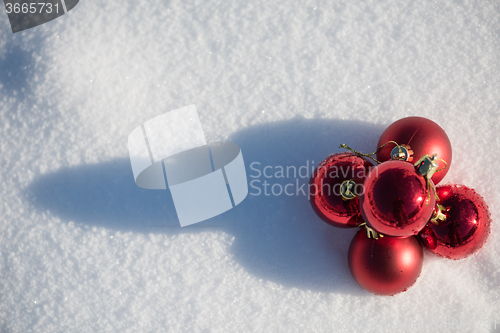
(277, 236)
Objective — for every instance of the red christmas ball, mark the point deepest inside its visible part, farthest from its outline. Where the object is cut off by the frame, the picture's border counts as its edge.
(397, 201)
(325, 189)
(466, 227)
(387, 265)
(423, 136)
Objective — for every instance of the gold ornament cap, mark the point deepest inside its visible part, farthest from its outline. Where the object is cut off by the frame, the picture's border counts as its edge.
(427, 165)
(438, 215)
(402, 153)
(346, 189)
(370, 232)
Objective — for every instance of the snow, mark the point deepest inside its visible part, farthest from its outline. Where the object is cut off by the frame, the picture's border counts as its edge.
(84, 249)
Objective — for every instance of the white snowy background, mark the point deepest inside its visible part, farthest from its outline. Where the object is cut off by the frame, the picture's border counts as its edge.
(83, 249)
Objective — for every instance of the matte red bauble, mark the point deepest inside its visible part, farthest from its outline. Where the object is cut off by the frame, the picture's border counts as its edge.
(423, 136)
(324, 187)
(387, 265)
(466, 227)
(397, 201)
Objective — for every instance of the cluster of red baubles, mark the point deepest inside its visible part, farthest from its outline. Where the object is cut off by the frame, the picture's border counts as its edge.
(398, 207)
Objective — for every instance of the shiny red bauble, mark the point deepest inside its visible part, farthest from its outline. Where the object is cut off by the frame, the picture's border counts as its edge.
(324, 189)
(397, 201)
(466, 227)
(424, 137)
(387, 265)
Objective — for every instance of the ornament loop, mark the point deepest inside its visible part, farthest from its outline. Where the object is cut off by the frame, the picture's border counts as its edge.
(445, 165)
(400, 150)
(343, 145)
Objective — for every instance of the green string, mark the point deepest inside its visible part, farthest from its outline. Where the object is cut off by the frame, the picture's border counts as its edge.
(343, 145)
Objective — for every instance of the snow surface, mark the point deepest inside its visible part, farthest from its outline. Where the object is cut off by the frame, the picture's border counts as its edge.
(84, 249)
